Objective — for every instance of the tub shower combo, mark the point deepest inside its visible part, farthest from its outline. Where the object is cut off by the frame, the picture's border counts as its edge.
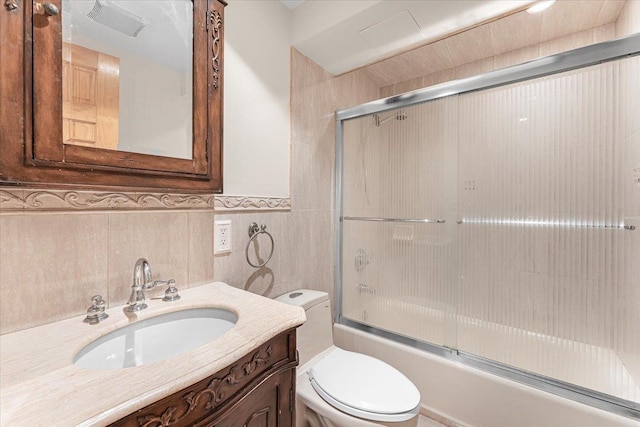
(494, 221)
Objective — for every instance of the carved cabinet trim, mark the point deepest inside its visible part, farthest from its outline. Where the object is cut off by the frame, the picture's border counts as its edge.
(246, 389)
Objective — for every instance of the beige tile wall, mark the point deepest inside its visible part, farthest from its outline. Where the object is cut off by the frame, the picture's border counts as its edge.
(485, 64)
(52, 263)
(628, 21)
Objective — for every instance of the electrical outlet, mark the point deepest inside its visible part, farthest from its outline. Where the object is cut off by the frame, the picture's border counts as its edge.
(222, 237)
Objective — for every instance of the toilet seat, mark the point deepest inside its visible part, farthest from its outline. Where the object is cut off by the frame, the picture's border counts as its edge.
(364, 387)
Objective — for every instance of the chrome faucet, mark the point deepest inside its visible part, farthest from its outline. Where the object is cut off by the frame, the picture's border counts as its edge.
(142, 282)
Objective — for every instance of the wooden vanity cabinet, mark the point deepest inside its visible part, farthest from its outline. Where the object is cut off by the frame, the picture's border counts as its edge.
(256, 391)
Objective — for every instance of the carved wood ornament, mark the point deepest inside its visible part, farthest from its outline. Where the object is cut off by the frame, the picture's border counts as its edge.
(212, 395)
(11, 4)
(215, 24)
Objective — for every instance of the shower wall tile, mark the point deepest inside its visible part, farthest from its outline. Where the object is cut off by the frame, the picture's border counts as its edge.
(470, 46)
(514, 32)
(519, 56)
(414, 63)
(521, 49)
(313, 165)
(409, 85)
(50, 266)
(307, 244)
(628, 21)
(387, 91)
(610, 11)
(564, 18)
(474, 68)
(604, 32)
(555, 28)
(439, 77)
(562, 44)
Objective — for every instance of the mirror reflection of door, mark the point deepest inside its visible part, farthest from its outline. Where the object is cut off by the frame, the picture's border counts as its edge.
(90, 90)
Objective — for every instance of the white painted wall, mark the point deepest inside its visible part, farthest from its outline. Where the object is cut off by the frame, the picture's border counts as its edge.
(256, 98)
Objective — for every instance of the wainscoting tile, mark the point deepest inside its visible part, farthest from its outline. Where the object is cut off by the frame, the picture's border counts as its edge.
(200, 248)
(160, 237)
(234, 269)
(50, 266)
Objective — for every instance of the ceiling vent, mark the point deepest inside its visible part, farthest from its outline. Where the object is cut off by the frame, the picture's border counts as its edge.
(116, 18)
(394, 33)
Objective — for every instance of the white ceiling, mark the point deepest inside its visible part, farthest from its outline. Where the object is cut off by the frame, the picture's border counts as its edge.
(342, 35)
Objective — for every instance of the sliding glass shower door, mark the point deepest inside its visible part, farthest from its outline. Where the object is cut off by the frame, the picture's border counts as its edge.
(399, 230)
(542, 207)
(500, 225)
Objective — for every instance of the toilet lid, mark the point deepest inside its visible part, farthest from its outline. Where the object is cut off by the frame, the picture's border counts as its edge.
(364, 386)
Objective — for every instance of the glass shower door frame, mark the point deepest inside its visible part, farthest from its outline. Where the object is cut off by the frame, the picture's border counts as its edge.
(575, 59)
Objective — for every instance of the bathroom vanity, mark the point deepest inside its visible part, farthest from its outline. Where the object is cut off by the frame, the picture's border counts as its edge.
(257, 390)
(245, 377)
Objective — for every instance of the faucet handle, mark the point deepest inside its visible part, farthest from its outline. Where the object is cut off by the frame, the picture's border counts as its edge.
(171, 294)
(95, 313)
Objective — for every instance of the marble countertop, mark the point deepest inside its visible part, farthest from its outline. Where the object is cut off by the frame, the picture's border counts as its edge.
(40, 385)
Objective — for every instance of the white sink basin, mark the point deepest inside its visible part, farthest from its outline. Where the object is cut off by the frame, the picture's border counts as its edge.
(158, 338)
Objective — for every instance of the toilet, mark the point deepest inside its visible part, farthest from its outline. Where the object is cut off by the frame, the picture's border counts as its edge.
(339, 388)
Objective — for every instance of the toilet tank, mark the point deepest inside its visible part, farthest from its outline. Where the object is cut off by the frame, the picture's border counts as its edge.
(316, 335)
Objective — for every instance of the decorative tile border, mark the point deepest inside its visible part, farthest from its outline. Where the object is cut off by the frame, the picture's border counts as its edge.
(34, 200)
(231, 203)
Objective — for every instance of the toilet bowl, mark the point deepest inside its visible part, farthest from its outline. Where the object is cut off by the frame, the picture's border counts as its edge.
(339, 388)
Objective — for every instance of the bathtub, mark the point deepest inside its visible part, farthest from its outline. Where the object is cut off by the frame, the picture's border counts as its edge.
(460, 395)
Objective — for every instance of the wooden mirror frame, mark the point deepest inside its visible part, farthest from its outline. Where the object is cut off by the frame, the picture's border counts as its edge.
(31, 150)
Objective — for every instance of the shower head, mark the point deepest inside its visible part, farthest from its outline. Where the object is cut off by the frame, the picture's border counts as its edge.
(399, 115)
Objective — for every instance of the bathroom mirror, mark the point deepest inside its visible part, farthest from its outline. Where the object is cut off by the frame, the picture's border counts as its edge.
(120, 94)
(127, 70)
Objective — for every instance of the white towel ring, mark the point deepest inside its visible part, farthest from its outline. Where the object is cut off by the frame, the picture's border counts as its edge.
(254, 231)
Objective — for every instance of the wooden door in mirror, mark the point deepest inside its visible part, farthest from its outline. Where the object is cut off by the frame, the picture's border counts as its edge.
(59, 116)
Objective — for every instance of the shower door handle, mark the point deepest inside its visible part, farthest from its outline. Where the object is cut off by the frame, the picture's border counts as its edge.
(421, 220)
